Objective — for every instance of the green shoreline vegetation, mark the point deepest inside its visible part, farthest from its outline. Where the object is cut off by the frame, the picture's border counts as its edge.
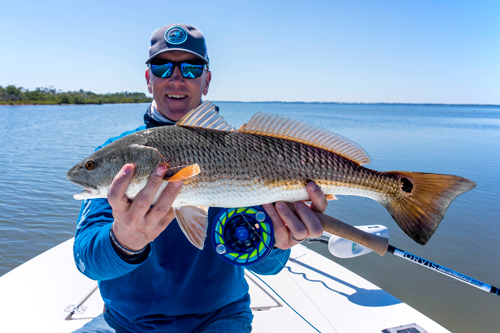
(12, 95)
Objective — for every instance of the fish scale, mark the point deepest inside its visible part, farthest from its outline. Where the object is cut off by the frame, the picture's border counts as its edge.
(242, 159)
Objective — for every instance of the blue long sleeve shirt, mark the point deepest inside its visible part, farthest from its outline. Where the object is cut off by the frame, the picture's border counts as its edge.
(173, 286)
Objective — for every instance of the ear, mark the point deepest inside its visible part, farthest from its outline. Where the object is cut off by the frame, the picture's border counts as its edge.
(148, 81)
(208, 78)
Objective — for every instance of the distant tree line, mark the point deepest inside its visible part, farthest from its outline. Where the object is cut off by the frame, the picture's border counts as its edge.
(13, 95)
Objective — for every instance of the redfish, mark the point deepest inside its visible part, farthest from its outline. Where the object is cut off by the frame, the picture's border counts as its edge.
(271, 158)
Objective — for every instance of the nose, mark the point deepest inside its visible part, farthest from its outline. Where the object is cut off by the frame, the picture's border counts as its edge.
(176, 76)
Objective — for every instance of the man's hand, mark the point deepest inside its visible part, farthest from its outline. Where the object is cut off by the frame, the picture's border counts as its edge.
(136, 222)
(289, 228)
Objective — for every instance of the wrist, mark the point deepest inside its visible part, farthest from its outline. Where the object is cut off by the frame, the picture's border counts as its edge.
(125, 249)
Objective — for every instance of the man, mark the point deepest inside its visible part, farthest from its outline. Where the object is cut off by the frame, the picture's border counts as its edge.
(151, 278)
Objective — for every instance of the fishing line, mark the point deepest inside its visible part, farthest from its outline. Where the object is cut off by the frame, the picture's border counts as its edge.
(295, 282)
(274, 291)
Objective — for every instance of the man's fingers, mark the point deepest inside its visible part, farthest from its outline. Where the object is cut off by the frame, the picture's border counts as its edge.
(117, 189)
(144, 198)
(318, 199)
(293, 225)
(297, 228)
(310, 221)
(281, 232)
(164, 203)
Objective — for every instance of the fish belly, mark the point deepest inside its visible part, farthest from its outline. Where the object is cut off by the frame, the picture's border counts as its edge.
(226, 194)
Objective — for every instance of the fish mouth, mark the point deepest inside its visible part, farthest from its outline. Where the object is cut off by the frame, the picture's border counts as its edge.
(90, 191)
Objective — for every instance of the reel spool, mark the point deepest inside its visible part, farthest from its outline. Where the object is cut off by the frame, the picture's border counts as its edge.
(243, 236)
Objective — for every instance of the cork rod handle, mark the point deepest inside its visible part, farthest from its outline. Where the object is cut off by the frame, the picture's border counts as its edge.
(336, 227)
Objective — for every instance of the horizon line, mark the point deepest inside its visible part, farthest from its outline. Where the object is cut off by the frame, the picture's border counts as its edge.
(371, 103)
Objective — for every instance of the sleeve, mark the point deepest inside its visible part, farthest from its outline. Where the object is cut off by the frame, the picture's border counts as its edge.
(273, 264)
(93, 251)
(94, 254)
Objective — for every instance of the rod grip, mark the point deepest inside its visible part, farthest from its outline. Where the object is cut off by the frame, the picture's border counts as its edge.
(336, 227)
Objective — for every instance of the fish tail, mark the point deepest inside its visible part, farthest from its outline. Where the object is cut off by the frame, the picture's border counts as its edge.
(422, 200)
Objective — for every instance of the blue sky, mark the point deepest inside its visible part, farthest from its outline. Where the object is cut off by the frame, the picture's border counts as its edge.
(404, 51)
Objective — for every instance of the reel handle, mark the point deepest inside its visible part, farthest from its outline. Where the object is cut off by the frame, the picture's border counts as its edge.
(336, 227)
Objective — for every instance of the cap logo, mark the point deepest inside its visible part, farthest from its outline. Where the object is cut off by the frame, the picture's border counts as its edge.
(176, 35)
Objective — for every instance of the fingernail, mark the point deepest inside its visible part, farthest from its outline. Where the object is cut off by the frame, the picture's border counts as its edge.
(280, 205)
(128, 169)
(312, 186)
(298, 204)
(176, 184)
(160, 170)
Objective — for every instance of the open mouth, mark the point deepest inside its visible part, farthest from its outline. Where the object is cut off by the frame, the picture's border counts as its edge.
(88, 191)
(176, 96)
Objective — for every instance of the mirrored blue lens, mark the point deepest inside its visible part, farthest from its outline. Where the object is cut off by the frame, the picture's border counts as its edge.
(162, 70)
(188, 70)
(191, 71)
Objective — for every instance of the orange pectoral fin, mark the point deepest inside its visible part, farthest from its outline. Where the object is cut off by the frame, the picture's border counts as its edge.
(184, 173)
(330, 197)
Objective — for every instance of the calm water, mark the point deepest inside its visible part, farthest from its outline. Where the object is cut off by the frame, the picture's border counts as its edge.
(40, 143)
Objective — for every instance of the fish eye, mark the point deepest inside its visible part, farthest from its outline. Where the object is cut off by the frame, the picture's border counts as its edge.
(90, 165)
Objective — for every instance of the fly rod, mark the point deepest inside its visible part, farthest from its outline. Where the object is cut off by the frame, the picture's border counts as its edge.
(443, 270)
(381, 246)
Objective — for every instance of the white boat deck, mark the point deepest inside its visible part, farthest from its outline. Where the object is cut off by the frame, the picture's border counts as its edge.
(48, 294)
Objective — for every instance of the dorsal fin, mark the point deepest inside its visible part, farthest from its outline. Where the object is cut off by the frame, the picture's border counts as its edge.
(205, 116)
(299, 131)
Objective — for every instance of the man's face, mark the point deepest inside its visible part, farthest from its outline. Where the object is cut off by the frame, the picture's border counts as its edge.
(176, 95)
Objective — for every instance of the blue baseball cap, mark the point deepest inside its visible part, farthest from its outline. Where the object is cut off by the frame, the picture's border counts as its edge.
(178, 37)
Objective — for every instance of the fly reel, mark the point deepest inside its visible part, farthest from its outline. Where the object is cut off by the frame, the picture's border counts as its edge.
(243, 236)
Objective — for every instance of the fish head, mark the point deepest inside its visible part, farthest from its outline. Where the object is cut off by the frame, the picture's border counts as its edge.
(96, 172)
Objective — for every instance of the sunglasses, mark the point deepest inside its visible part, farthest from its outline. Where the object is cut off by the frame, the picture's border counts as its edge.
(188, 70)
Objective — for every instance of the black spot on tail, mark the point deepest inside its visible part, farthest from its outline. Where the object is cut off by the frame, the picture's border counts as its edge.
(406, 185)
